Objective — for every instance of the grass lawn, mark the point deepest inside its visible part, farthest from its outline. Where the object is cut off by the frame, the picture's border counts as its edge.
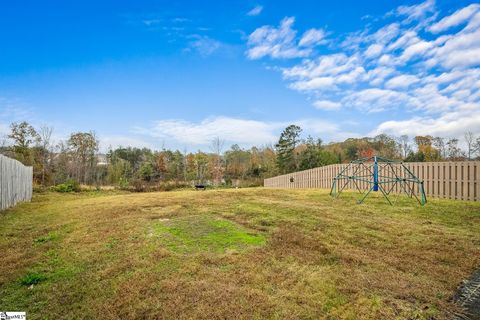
(247, 253)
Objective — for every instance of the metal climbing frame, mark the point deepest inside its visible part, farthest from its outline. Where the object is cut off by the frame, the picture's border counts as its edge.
(379, 174)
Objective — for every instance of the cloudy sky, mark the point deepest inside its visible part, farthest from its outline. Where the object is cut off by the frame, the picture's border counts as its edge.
(177, 74)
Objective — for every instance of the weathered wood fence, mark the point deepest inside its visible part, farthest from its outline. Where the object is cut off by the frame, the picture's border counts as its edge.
(451, 180)
(15, 182)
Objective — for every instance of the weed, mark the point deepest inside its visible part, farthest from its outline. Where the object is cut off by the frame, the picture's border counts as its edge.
(49, 237)
(33, 278)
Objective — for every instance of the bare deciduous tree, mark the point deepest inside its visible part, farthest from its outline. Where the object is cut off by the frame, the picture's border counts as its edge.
(83, 147)
(454, 152)
(476, 147)
(217, 167)
(470, 140)
(439, 143)
(45, 143)
(404, 142)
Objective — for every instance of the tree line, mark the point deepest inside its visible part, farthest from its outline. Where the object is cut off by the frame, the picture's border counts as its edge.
(78, 158)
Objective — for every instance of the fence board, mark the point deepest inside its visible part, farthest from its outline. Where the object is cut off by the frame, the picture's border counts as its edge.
(451, 180)
(15, 182)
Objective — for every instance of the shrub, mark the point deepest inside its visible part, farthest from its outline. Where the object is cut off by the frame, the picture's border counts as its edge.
(123, 184)
(139, 185)
(69, 186)
(38, 188)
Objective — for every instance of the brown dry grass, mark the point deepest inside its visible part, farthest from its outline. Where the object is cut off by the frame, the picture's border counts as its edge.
(101, 255)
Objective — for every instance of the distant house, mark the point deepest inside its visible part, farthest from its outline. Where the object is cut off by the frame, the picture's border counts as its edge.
(102, 159)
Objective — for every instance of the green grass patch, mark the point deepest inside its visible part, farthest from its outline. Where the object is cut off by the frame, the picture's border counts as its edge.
(205, 233)
(33, 277)
(49, 237)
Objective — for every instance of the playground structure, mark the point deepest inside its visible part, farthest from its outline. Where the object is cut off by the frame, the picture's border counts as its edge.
(379, 174)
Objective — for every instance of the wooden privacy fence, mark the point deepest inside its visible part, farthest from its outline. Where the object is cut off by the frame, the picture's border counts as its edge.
(15, 182)
(451, 180)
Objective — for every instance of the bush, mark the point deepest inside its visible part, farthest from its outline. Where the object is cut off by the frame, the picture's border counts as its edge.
(123, 184)
(38, 188)
(139, 185)
(69, 186)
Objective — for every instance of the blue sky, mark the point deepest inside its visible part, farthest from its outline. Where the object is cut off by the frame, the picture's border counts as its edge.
(177, 74)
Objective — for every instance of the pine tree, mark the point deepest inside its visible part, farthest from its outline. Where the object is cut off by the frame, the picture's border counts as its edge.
(286, 156)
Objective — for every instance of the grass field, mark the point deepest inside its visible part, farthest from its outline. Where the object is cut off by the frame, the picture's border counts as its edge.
(246, 253)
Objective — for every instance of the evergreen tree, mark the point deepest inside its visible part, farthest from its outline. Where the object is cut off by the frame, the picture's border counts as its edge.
(314, 156)
(286, 153)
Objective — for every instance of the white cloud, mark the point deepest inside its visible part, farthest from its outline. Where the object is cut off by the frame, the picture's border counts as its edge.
(115, 141)
(474, 23)
(408, 38)
(151, 22)
(452, 124)
(312, 37)
(459, 51)
(386, 60)
(244, 132)
(455, 19)
(401, 82)
(281, 42)
(318, 83)
(275, 42)
(204, 45)
(231, 129)
(416, 12)
(374, 50)
(316, 126)
(376, 100)
(377, 76)
(255, 11)
(325, 66)
(327, 105)
(416, 50)
(385, 34)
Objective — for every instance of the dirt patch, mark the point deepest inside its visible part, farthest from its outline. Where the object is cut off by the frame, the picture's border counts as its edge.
(163, 211)
(468, 298)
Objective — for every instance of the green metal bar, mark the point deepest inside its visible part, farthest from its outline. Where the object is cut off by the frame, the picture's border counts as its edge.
(364, 180)
(424, 196)
(406, 179)
(391, 189)
(385, 195)
(389, 180)
(361, 200)
(333, 190)
(414, 176)
(335, 181)
(343, 186)
(362, 160)
(388, 160)
(413, 194)
(358, 188)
